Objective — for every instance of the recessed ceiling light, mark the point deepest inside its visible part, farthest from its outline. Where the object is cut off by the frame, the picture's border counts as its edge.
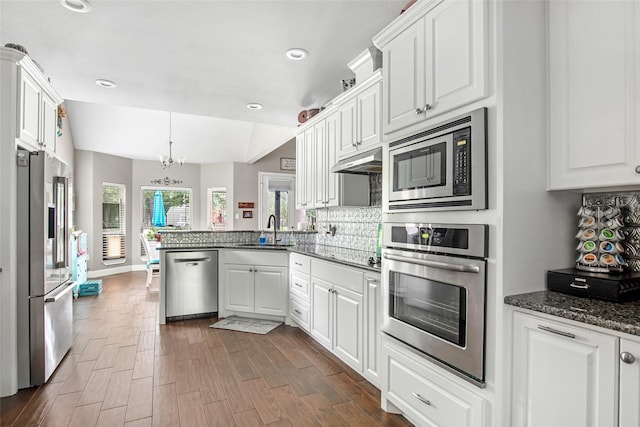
(80, 6)
(106, 83)
(254, 106)
(297, 54)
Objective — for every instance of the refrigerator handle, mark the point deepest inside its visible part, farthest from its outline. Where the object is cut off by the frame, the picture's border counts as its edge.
(51, 233)
(60, 294)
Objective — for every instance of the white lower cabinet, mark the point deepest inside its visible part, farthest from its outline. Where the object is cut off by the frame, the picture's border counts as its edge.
(629, 383)
(337, 321)
(373, 317)
(254, 288)
(563, 375)
(425, 396)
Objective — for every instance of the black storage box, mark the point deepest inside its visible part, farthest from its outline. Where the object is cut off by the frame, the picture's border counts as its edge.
(606, 286)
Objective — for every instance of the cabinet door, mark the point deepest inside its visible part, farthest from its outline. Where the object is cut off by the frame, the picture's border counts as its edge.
(563, 375)
(629, 384)
(372, 325)
(270, 290)
(29, 112)
(348, 329)
(347, 127)
(333, 135)
(321, 311)
(300, 172)
(593, 85)
(239, 283)
(456, 47)
(320, 163)
(49, 123)
(404, 83)
(309, 168)
(369, 131)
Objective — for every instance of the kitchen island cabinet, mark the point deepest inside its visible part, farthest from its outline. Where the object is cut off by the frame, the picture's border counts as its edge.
(255, 282)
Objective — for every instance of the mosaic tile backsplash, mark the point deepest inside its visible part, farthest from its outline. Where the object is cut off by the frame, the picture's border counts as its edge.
(355, 229)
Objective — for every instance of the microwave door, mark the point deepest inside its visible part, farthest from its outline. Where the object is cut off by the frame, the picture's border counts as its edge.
(422, 170)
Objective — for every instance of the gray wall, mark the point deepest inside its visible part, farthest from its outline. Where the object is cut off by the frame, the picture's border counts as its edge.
(245, 183)
(216, 175)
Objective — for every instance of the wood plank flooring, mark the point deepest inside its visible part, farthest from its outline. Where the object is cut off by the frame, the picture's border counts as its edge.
(126, 370)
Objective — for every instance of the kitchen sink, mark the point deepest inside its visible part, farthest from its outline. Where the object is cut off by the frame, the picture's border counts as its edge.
(269, 245)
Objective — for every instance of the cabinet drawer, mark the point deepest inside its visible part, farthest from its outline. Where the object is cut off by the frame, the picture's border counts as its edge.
(427, 397)
(300, 312)
(300, 263)
(338, 275)
(300, 285)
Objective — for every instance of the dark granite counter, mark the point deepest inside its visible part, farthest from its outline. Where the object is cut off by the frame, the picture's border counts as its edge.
(621, 317)
(349, 257)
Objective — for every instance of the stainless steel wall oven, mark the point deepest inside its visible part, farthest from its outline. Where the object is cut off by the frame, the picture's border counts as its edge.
(434, 285)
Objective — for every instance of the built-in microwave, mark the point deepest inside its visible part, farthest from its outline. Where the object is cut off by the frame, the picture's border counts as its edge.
(441, 168)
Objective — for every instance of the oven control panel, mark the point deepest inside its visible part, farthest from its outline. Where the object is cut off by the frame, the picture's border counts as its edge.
(463, 239)
(461, 162)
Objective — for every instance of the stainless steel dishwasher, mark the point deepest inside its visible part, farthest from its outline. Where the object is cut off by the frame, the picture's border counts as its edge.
(191, 284)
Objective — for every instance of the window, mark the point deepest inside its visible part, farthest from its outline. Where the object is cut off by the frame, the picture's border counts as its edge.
(114, 231)
(217, 208)
(277, 191)
(166, 209)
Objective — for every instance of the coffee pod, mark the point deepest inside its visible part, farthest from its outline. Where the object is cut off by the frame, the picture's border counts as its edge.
(607, 234)
(589, 259)
(580, 233)
(619, 247)
(610, 223)
(618, 220)
(611, 211)
(587, 222)
(587, 246)
(607, 247)
(588, 234)
(620, 260)
(607, 260)
(619, 235)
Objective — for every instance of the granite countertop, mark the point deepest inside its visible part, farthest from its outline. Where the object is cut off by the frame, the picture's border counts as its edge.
(350, 257)
(617, 316)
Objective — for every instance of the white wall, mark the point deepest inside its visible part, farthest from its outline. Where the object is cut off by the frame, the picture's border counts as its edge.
(266, 138)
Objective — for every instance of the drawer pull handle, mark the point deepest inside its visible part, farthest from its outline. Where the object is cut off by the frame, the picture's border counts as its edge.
(297, 263)
(298, 311)
(421, 399)
(297, 284)
(577, 286)
(555, 331)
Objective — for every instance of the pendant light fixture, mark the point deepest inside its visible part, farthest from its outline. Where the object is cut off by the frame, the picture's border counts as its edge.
(167, 163)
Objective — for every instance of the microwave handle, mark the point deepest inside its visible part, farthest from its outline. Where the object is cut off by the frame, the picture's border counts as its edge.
(434, 264)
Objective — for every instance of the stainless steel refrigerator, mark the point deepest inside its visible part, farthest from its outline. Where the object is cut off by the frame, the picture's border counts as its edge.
(45, 312)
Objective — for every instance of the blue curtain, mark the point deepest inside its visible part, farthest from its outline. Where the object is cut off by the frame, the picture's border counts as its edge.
(159, 218)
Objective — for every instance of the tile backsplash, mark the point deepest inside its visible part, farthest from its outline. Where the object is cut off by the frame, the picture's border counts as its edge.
(355, 228)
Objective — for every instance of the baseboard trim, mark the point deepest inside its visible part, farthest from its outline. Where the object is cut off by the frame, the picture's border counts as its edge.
(92, 274)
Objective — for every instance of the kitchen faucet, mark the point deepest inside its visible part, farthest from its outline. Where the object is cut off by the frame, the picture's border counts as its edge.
(275, 228)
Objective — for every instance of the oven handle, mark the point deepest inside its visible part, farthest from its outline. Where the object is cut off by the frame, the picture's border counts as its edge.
(434, 264)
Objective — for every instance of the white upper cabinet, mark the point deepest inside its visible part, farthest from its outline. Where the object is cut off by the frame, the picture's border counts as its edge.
(37, 108)
(435, 60)
(360, 116)
(320, 161)
(332, 138)
(593, 94)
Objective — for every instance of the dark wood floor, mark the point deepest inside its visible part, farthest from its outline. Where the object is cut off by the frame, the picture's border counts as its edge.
(125, 369)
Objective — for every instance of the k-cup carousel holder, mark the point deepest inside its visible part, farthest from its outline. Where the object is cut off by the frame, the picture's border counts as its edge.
(601, 238)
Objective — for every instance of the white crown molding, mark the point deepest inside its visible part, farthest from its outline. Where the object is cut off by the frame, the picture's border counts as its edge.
(404, 21)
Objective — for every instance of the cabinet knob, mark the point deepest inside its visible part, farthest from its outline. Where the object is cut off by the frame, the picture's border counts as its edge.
(638, 169)
(419, 111)
(427, 107)
(627, 357)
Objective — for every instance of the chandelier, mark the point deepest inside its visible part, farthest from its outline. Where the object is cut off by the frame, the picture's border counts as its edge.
(167, 163)
(166, 181)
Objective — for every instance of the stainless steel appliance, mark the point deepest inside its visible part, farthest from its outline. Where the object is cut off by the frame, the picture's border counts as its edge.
(191, 284)
(442, 168)
(433, 292)
(366, 163)
(45, 315)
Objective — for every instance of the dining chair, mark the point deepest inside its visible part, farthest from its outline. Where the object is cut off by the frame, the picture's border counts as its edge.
(153, 261)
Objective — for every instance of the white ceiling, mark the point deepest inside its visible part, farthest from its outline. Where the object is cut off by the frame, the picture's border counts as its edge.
(202, 59)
